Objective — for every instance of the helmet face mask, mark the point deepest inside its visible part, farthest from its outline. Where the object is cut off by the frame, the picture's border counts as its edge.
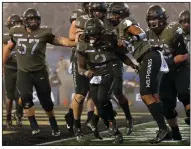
(113, 18)
(186, 26)
(93, 30)
(92, 34)
(97, 10)
(98, 13)
(156, 18)
(116, 12)
(33, 22)
(184, 20)
(32, 19)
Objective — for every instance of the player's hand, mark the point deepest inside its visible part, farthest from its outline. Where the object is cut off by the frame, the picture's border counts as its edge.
(135, 67)
(89, 73)
(180, 58)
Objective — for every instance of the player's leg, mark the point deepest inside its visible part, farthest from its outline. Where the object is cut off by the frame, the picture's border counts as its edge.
(81, 84)
(90, 108)
(26, 92)
(9, 87)
(18, 114)
(148, 73)
(118, 93)
(182, 83)
(105, 108)
(93, 117)
(168, 94)
(43, 89)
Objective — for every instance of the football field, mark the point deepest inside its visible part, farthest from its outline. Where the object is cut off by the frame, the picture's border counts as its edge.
(144, 129)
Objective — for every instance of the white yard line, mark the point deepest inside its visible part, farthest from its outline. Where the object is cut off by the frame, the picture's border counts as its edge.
(67, 139)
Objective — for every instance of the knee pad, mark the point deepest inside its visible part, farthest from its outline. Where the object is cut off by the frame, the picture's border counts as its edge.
(170, 114)
(27, 102)
(79, 98)
(46, 101)
(184, 98)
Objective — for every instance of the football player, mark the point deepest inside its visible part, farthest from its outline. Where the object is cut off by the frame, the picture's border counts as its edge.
(95, 49)
(10, 76)
(30, 41)
(184, 20)
(81, 83)
(99, 10)
(169, 37)
(131, 36)
(69, 117)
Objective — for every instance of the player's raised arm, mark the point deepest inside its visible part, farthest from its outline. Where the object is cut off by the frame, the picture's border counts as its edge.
(63, 41)
(72, 31)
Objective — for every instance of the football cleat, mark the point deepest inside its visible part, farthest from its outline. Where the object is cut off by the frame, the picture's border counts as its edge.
(19, 121)
(9, 124)
(176, 136)
(69, 122)
(94, 130)
(161, 134)
(118, 138)
(56, 132)
(129, 127)
(79, 135)
(35, 132)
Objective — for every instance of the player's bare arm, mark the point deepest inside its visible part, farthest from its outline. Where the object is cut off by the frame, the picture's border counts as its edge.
(7, 51)
(81, 66)
(72, 31)
(62, 41)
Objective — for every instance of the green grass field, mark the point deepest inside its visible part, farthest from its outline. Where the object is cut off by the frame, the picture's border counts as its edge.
(144, 130)
(142, 133)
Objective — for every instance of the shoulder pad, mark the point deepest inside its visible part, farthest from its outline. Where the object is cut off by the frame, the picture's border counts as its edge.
(17, 29)
(81, 46)
(175, 27)
(80, 21)
(128, 21)
(124, 25)
(76, 13)
(46, 29)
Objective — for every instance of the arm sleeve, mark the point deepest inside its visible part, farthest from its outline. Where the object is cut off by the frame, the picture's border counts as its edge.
(49, 35)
